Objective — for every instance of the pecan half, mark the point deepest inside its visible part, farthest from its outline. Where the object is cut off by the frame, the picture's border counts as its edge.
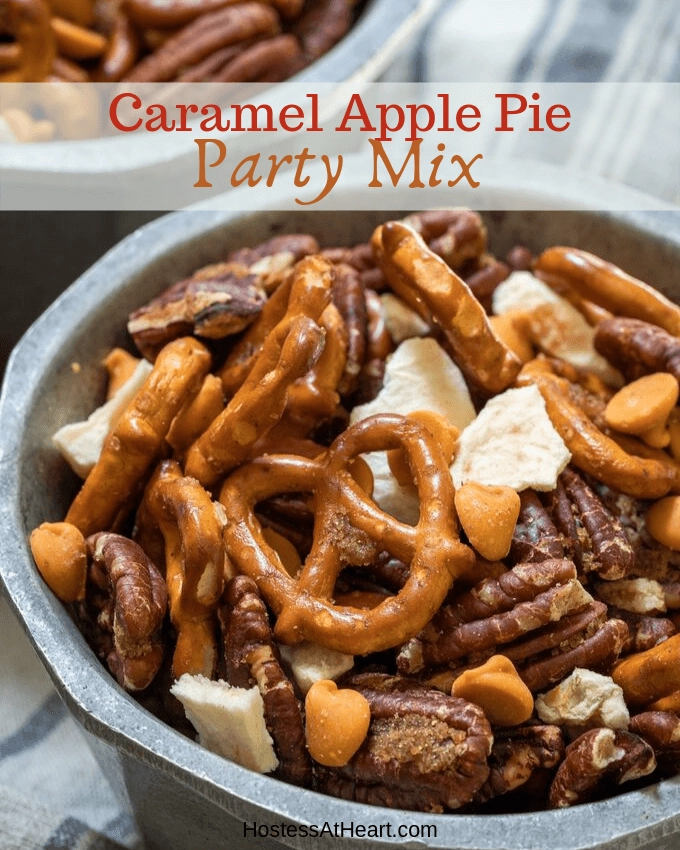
(497, 612)
(595, 762)
(270, 60)
(517, 753)
(605, 549)
(456, 235)
(643, 632)
(281, 252)
(378, 347)
(424, 750)
(637, 348)
(349, 298)
(203, 36)
(661, 730)
(216, 301)
(538, 615)
(251, 658)
(536, 537)
(323, 24)
(131, 599)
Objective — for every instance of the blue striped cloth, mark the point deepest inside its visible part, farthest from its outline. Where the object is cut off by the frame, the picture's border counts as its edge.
(52, 793)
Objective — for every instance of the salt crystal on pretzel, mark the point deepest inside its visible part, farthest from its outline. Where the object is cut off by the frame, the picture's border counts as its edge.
(513, 443)
(80, 443)
(134, 444)
(418, 376)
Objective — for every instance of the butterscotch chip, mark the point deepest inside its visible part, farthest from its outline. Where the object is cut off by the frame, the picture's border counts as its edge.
(643, 404)
(337, 722)
(61, 557)
(663, 522)
(488, 516)
(497, 689)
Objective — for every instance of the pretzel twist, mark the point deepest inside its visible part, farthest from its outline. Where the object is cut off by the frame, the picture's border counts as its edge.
(194, 565)
(350, 529)
(648, 474)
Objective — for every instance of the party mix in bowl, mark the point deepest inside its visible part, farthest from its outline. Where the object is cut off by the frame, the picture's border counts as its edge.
(397, 522)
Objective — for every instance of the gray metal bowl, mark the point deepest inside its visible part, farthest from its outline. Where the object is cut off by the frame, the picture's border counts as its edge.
(184, 797)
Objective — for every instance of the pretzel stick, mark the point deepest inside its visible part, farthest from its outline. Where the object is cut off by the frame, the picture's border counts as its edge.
(288, 354)
(594, 452)
(135, 443)
(307, 292)
(425, 281)
(195, 565)
(610, 287)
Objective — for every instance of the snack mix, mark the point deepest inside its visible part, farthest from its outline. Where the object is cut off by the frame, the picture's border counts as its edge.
(397, 522)
(223, 41)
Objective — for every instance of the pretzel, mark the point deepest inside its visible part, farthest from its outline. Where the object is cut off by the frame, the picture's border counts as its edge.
(350, 529)
(289, 352)
(29, 22)
(194, 565)
(306, 292)
(649, 476)
(431, 288)
(79, 11)
(136, 441)
(202, 37)
(121, 52)
(608, 286)
(77, 42)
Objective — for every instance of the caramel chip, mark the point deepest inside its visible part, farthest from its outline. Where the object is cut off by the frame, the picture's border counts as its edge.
(663, 522)
(488, 516)
(497, 689)
(61, 557)
(643, 405)
(337, 722)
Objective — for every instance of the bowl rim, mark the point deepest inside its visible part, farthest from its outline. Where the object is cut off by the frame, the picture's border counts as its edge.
(383, 27)
(107, 712)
